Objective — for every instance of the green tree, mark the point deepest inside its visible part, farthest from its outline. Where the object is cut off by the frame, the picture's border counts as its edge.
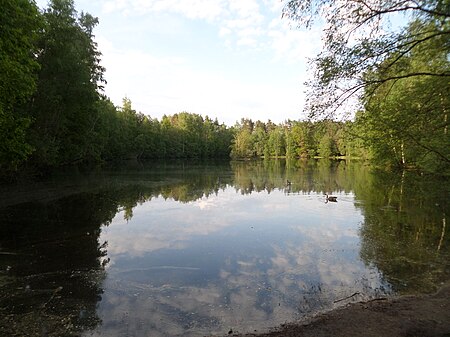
(290, 146)
(326, 132)
(353, 144)
(299, 135)
(64, 106)
(277, 143)
(406, 122)
(191, 128)
(152, 134)
(260, 138)
(107, 128)
(358, 38)
(20, 22)
(242, 144)
(223, 139)
(326, 146)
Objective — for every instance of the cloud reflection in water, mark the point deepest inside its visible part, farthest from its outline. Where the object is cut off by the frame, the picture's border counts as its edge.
(245, 262)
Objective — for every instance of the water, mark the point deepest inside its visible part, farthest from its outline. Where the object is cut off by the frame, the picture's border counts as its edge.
(195, 249)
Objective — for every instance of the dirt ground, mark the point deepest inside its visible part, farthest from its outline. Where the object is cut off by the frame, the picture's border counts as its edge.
(407, 316)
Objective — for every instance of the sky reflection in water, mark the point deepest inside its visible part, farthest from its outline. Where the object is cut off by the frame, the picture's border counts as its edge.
(231, 261)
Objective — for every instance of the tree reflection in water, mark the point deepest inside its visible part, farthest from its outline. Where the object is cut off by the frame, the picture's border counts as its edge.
(54, 258)
(52, 265)
(404, 232)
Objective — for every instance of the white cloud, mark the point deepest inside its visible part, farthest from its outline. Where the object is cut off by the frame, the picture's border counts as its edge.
(250, 289)
(293, 45)
(193, 9)
(241, 23)
(224, 58)
(245, 8)
(167, 85)
(224, 31)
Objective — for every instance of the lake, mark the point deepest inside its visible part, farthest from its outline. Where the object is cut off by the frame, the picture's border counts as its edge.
(194, 249)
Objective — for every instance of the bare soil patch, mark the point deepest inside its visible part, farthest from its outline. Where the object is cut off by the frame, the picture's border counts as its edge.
(406, 316)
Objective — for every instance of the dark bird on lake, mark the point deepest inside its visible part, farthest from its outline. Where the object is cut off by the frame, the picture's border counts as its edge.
(330, 198)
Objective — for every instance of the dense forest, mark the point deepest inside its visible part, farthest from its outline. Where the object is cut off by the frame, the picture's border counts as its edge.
(392, 58)
(53, 110)
(296, 139)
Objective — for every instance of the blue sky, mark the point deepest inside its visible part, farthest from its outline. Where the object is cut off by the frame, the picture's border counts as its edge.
(222, 58)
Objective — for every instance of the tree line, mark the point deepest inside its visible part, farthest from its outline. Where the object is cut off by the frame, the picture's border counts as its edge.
(127, 134)
(296, 139)
(397, 70)
(53, 111)
(52, 108)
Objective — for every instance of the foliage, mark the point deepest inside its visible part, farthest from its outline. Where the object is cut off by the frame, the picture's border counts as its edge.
(132, 135)
(276, 144)
(295, 139)
(357, 38)
(399, 76)
(53, 112)
(242, 145)
(63, 107)
(19, 25)
(52, 106)
(406, 121)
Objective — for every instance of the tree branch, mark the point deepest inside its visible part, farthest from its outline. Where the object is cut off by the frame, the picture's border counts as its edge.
(390, 78)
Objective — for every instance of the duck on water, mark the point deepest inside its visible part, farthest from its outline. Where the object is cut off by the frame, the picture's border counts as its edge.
(330, 198)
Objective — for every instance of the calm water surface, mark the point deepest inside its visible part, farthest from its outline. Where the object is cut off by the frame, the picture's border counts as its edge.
(191, 250)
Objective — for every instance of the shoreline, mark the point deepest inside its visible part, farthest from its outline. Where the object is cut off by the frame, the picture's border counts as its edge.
(405, 316)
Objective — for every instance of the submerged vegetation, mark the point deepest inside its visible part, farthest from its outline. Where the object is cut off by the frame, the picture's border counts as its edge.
(53, 111)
